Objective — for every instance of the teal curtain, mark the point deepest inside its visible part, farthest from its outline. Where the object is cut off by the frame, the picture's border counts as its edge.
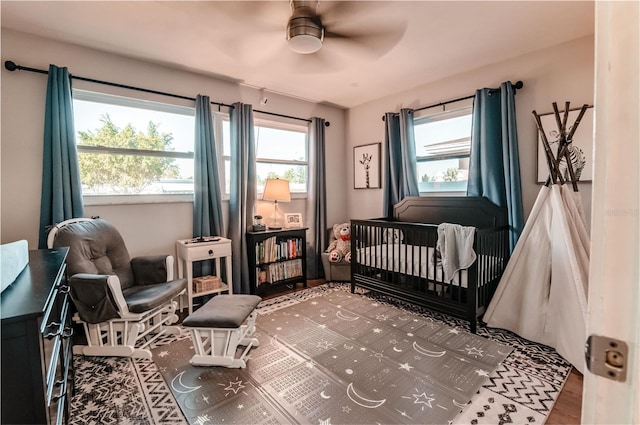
(61, 197)
(400, 165)
(494, 165)
(316, 205)
(207, 200)
(242, 198)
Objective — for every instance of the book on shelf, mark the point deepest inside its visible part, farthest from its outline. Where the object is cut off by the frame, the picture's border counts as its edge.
(275, 272)
(271, 250)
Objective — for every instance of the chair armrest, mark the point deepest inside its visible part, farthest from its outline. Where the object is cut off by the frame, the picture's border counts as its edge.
(152, 269)
(93, 296)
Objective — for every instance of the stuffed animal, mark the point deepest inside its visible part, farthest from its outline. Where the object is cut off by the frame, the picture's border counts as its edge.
(340, 247)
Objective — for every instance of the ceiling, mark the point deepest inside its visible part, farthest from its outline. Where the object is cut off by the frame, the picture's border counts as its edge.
(396, 46)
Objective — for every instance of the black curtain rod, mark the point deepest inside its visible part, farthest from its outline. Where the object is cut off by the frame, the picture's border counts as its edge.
(518, 85)
(12, 66)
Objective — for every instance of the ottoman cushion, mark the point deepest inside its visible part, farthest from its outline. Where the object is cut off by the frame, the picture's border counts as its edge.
(223, 311)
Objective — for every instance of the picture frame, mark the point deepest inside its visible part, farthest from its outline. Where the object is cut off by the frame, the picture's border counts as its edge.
(292, 220)
(366, 166)
(582, 143)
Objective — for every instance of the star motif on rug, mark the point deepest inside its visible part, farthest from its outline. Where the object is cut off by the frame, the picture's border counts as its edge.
(382, 317)
(474, 351)
(314, 302)
(163, 354)
(377, 330)
(454, 331)
(234, 386)
(322, 326)
(309, 365)
(393, 341)
(240, 406)
(423, 399)
(482, 372)
(205, 398)
(346, 409)
(406, 367)
(363, 349)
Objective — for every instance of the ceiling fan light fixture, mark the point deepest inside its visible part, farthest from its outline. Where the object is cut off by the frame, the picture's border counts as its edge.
(305, 43)
(304, 31)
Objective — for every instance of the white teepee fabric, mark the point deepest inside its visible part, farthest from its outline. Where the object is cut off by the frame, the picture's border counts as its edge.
(542, 293)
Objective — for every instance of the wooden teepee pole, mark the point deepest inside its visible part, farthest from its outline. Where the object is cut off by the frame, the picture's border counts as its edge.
(553, 168)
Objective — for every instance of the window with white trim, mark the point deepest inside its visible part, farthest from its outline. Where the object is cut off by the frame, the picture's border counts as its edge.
(443, 142)
(133, 148)
(281, 152)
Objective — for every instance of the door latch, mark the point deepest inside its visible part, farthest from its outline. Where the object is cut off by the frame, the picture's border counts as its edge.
(607, 357)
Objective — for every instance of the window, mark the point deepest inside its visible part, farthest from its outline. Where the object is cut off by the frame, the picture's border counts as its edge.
(129, 147)
(281, 152)
(443, 143)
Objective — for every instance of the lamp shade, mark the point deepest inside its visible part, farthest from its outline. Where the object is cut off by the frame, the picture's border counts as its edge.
(277, 190)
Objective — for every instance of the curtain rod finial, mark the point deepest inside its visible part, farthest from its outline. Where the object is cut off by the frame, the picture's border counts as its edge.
(518, 85)
(10, 65)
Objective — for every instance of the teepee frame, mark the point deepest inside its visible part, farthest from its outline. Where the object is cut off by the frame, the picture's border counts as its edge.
(566, 138)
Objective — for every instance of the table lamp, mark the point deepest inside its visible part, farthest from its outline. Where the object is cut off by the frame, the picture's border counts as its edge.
(276, 190)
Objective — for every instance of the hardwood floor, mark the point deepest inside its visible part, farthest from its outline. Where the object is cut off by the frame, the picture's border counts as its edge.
(568, 407)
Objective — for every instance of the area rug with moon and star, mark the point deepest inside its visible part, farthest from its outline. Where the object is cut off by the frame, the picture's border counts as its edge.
(327, 356)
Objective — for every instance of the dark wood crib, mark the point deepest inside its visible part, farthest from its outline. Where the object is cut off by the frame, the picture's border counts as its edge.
(396, 256)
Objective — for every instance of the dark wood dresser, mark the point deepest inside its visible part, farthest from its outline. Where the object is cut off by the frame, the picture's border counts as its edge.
(37, 358)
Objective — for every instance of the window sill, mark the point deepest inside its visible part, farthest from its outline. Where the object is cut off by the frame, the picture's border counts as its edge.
(92, 200)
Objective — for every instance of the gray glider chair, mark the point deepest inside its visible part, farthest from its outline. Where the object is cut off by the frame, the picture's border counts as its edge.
(335, 272)
(123, 304)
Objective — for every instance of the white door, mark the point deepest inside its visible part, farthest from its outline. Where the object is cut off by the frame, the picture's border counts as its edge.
(614, 283)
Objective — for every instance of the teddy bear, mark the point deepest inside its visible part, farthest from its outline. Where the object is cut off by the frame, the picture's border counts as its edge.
(340, 247)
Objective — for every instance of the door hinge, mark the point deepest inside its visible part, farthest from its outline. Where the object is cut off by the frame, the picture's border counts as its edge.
(607, 357)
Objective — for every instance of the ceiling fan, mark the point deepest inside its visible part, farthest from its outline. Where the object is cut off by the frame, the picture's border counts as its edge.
(306, 31)
(310, 36)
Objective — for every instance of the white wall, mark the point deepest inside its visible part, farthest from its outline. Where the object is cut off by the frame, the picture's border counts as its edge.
(149, 228)
(561, 73)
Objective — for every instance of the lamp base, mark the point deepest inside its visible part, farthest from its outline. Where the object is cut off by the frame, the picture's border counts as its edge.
(277, 221)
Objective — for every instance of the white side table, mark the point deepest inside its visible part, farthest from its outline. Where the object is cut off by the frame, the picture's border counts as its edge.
(208, 248)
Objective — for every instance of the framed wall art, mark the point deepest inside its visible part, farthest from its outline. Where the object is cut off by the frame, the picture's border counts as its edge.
(292, 220)
(581, 152)
(366, 166)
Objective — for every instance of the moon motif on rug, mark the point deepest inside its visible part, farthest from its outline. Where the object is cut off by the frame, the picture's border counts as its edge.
(361, 401)
(426, 352)
(180, 387)
(341, 316)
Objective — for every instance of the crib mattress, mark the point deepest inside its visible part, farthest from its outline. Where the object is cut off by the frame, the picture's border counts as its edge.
(419, 261)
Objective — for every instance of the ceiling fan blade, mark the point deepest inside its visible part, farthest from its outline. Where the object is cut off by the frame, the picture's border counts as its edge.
(371, 43)
(360, 27)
